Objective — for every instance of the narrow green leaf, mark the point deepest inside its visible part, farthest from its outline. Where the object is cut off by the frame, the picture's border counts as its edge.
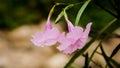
(117, 65)
(62, 12)
(117, 6)
(59, 16)
(86, 61)
(93, 62)
(115, 51)
(108, 25)
(81, 11)
(52, 9)
(94, 52)
(105, 57)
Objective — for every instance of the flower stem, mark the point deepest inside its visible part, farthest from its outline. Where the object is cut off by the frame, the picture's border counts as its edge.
(67, 7)
(94, 51)
(52, 9)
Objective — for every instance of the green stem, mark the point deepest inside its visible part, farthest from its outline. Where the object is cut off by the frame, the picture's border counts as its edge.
(98, 53)
(69, 6)
(110, 23)
(63, 12)
(52, 9)
(93, 62)
(94, 52)
(80, 12)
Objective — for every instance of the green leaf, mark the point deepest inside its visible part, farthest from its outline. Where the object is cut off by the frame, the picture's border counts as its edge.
(117, 65)
(115, 51)
(59, 17)
(94, 51)
(117, 6)
(81, 11)
(107, 26)
(105, 57)
(63, 12)
(86, 61)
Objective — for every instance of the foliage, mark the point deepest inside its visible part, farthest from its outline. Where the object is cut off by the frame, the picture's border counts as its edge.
(105, 15)
(14, 13)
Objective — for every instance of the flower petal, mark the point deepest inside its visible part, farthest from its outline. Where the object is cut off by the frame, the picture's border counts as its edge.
(86, 33)
(75, 34)
(36, 39)
(64, 43)
(50, 36)
(87, 30)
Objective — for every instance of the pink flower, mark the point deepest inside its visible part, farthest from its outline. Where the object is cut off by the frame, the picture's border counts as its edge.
(48, 37)
(75, 39)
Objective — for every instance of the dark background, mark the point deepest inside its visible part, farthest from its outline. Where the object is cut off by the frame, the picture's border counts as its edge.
(14, 13)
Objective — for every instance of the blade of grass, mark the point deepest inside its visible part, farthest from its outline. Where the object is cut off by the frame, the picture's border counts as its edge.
(106, 9)
(80, 12)
(62, 12)
(86, 61)
(115, 51)
(59, 16)
(110, 23)
(94, 51)
(93, 61)
(105, 57)
(117, 65)
(113, 61)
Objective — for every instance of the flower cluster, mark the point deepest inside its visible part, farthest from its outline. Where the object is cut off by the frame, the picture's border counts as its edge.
(70, 42)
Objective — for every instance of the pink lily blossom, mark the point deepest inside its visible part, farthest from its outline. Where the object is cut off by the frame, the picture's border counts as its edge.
(46, 38)
(75, 39)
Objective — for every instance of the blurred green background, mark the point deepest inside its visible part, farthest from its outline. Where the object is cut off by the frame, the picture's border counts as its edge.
(14, 13)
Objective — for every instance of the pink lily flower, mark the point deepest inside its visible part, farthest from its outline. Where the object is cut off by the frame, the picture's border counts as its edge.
(75, 39)
(46, 38)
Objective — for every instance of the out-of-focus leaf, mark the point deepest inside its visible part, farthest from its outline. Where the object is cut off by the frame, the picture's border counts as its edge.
(94, 52)
(114, 26)
(62, 12)
(116, 64)
(105, 8)
(117, 3)
(115, 51)
(80, 12)
(59, 16)
(105, 57)
(86, 61)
